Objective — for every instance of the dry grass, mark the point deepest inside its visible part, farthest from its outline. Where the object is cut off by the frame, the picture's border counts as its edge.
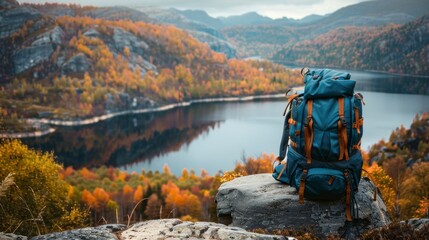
(5, 184)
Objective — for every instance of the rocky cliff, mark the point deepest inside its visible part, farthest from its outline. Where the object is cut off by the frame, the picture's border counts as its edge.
(259, 201)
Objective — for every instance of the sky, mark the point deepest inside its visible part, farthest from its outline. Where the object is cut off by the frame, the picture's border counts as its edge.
(272, 8)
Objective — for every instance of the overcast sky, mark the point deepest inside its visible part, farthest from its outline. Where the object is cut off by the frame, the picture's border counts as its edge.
(270, 8)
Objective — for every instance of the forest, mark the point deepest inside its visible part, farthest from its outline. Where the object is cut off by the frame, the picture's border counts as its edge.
(84, 197)
(392, 48)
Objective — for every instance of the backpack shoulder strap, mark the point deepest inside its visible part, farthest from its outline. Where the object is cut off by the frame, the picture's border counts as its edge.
(342, 131)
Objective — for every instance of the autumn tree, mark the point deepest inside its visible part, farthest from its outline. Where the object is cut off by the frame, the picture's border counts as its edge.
(37, 201)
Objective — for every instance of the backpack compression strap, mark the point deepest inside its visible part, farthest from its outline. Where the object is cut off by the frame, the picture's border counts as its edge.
(308, 131)
(308, 138)
(342, 131)
(348, 197)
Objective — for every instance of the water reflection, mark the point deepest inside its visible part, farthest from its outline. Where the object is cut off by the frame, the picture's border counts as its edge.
(382, 82)
(214, 136)
(127, 139)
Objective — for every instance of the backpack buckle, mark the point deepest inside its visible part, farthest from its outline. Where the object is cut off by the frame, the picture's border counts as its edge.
(307, 120)
(343, 122)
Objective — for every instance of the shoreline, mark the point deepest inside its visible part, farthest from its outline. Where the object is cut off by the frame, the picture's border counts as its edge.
(104, 117)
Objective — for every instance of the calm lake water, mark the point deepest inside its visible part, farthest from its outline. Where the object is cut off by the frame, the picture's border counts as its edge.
(215, 136)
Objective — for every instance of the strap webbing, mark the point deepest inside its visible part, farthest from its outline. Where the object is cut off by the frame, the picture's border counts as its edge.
(281, 172)
(308, 131)
(348, 198)
(357, 120)
(342, 131)
(302, 187)
(289, 101)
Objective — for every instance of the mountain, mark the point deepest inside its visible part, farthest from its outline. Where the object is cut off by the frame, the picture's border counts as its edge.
(107, 13)
(170, 16)
(251, 18)
(394, 48)
(311, 18)
(69, 67)
(258, 38)
(188, 21)
(202, 17)
(372, 13)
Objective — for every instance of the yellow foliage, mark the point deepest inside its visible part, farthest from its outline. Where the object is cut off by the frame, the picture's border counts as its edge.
(383, 182)
(37, 202)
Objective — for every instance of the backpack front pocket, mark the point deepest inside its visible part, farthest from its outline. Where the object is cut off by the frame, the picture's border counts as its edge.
(324, 184)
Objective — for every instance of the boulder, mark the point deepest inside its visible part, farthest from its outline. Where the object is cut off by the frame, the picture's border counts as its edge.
(177, 229)
(103, 232)
(156, 229)
(79, 63)
(124, 39)
(11, 236)
(259, 201)
(417, 223)
(11, 20)
(29, 57)
(215, 43)
(8, 4)
(55, 36)
(92, 33)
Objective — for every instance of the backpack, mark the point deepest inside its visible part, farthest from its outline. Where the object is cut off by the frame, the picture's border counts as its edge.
(322, 136)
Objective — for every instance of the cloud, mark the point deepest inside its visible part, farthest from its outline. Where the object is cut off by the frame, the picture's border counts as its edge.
(271, 8)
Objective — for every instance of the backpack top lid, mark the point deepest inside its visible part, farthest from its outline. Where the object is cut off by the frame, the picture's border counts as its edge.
(327, 83)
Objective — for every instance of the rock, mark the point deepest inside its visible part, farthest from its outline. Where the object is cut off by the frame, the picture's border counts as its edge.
(259, 201)
(103, 232)
(79, 63)
(177, 229)
(55, 36)
(11, 20)
(11, 236)
(8, 4)
(92, 33)
(117, 13)
(29, 57)
(418, 223)
(124, 39)
(215, 43)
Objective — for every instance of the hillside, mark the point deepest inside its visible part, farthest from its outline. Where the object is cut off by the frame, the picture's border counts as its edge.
(73, 67)
(395, 48)
(256, 39)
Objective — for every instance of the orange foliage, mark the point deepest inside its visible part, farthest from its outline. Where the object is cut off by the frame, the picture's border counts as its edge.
(87, 174)
(180, 202)
(102, 198)
(138, 194)
(89, 199)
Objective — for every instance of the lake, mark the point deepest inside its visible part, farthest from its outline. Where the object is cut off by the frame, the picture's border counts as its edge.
(215, 136)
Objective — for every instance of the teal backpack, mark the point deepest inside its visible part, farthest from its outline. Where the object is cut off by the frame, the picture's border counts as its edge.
(322, 136)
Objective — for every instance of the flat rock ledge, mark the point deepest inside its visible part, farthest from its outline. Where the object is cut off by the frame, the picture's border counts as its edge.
(168, 229)
(259, 201)
(177, 229)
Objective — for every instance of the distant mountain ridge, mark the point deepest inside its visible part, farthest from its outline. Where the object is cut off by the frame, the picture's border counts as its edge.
(396, 49)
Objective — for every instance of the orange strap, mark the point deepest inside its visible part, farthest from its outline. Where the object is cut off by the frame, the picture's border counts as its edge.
(357, 146)
(357, 120)
(289, 101)
(292, 143)
(281, 172)
(291, 121)
(302, 187)
(308, 131)
(348, 206)
(342, 131)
